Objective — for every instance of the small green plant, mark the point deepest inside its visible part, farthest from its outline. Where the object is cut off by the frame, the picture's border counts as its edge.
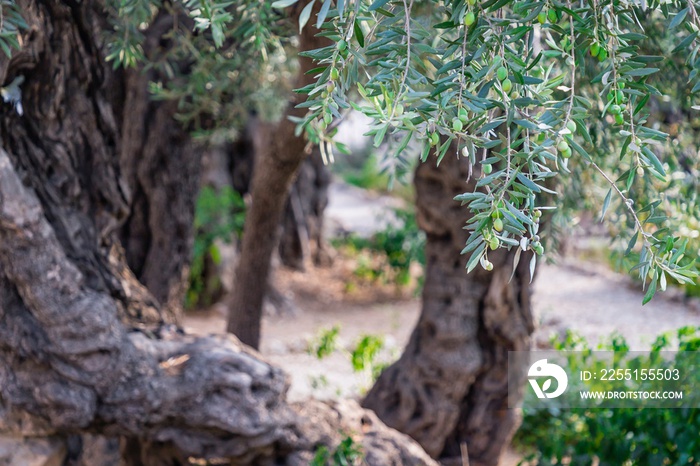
(348, 453)
(363, 357)
(629, 436)
(400, 245)
(219, 216)
(318, 382)
(11, 23)
(325, 344)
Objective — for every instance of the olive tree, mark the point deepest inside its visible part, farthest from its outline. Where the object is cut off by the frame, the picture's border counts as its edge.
(507, 100)
(510, 101)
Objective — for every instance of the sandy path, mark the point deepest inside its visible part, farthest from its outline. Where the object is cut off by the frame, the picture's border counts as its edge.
(594, 304)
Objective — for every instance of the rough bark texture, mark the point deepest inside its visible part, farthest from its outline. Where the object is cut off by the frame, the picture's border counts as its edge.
(278, 156)
(160, 165)
(85, 347)
(450, 385)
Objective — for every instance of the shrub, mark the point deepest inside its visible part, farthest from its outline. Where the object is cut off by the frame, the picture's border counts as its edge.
(623, 436)
(400, 245)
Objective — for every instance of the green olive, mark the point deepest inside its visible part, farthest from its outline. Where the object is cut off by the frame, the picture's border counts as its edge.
(502, 73)
(507, 85)
(487, 168)
(542, 17)
(334, 74)
(498, 224)
(494, 243)
(457, 125)
(488, 266)
(571, 126)
(595, 49)
(469, 18)
(619, 119)
(563, 146)
(342, 45)
(566, 153)
(463, 115)
(602, 55)
(552, 16)
(434, 139)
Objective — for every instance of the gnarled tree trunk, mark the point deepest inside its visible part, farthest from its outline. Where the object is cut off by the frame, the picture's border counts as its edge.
(85, 345)
(450, 385)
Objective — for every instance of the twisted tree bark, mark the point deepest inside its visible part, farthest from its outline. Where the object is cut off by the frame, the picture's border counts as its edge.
(450, 385)
(85, 346)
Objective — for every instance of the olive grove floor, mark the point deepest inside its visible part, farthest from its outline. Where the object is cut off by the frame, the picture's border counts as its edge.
(580, 296)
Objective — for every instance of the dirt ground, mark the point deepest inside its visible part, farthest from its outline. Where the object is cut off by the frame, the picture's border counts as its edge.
(586, 298)
(590, 300)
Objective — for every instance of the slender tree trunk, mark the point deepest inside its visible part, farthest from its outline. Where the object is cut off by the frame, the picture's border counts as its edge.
(450, 385)
(85, 347)
(301, 239)
(278, 156)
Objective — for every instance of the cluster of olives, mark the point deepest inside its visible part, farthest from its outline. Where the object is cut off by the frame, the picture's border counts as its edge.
(598, 52)
(506, 83)
(548, 14)
(497, 226)
(459, 121)
(334, 75)
(618, 101)
(535, 244)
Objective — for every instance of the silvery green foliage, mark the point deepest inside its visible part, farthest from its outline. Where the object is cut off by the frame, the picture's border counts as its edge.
(538, 95)
(11, 23)
(515, 86)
